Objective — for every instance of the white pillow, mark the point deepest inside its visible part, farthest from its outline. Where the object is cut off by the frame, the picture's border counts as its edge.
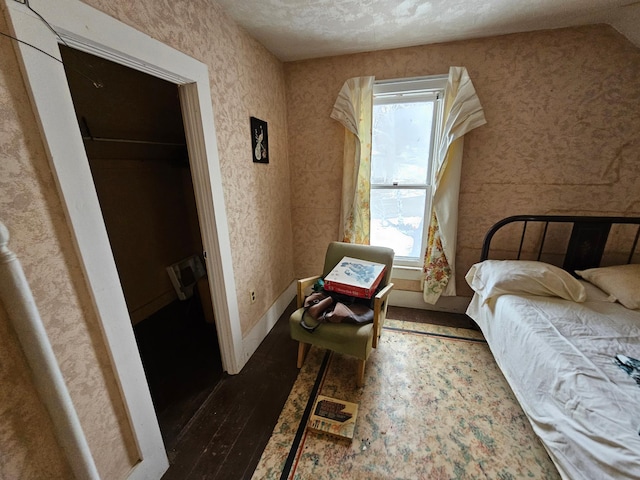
(594, 294)
(619, 281)
(498, 277)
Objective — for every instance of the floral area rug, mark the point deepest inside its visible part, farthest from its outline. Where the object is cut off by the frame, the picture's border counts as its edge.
(434, 406)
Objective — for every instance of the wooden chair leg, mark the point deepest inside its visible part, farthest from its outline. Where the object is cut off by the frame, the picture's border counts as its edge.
(360, 377)
(303, 348)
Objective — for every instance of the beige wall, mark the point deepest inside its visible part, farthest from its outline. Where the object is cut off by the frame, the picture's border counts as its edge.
(31, 209)
(246, 81)
(562, 136)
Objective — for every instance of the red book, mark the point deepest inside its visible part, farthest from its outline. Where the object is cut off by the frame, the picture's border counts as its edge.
(355, 277)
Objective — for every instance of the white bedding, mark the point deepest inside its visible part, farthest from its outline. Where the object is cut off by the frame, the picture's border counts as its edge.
(557, 355)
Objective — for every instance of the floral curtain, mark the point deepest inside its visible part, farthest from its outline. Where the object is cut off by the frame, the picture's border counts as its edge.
(462, 113)
(353, 109)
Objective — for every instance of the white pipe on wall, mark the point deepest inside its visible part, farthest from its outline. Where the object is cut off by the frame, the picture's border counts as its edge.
(17, 299)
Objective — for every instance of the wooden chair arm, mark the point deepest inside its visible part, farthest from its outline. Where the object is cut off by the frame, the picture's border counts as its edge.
(303, 284)
(382, 296)
(378, 305)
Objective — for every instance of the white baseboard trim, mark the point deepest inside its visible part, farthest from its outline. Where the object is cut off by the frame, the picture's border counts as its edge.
(253, 339)
(404, 298)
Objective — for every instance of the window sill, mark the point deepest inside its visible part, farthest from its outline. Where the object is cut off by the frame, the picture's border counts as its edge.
(404, 272)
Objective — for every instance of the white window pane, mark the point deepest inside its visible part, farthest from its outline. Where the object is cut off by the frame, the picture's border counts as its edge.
(397, 220)
(401, 142)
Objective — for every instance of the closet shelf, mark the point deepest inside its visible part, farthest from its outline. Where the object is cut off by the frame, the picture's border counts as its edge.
(86, 135)
(126, 140)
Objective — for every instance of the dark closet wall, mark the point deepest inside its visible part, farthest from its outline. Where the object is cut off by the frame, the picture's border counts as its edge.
(145, 189)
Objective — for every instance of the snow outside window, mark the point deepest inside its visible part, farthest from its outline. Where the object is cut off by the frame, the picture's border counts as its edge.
(406, 118)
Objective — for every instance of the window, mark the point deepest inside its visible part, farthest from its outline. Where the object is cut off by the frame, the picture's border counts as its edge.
(406, 116)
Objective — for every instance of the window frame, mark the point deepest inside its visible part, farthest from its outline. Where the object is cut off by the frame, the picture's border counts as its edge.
(408, 90)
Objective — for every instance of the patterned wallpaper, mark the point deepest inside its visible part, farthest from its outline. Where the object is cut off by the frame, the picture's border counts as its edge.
(562, 109)
(246, 81)
(28, 447)
(30, 208)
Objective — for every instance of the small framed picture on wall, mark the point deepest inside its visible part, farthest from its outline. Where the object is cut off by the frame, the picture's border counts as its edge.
(259, 140)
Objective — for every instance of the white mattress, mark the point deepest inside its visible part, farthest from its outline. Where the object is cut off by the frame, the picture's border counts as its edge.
(557, 356)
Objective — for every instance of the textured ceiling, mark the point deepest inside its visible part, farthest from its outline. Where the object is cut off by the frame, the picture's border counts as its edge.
(301, 29)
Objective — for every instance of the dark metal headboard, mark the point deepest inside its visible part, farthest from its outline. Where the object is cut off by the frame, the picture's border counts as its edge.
(586, 243)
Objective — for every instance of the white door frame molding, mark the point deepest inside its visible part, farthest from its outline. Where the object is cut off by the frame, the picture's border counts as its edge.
(90, 30)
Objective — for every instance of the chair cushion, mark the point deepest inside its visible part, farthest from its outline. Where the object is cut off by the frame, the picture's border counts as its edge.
(345, 338)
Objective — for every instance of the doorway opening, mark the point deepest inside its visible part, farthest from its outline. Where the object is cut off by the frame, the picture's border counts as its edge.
(134, 138)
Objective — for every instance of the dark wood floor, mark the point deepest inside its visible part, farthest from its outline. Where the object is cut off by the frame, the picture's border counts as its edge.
(226, 437)
(215, 425)
(181, 360)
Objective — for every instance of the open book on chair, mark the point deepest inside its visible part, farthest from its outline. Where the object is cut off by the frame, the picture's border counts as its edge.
(355, 277)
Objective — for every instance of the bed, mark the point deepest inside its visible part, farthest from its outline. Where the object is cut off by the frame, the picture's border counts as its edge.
(555, 335)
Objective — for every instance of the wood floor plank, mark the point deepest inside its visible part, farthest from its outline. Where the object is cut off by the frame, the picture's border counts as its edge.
(223, 445)
(194, 444)
(226, 438)
(241, 461)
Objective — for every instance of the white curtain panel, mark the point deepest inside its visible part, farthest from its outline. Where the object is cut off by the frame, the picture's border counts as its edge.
(353, 109)
(462, 113)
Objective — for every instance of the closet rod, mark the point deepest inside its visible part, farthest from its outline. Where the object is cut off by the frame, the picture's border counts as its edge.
(125, 140)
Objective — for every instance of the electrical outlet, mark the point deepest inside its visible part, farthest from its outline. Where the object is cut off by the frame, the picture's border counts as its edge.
(252, 295)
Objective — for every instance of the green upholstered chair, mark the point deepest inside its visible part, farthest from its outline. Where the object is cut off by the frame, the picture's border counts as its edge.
(345, 338)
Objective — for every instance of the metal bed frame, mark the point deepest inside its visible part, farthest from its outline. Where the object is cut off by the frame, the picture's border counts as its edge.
(587, 241)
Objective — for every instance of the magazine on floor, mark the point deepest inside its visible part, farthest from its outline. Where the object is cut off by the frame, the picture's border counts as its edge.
(334, 416)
